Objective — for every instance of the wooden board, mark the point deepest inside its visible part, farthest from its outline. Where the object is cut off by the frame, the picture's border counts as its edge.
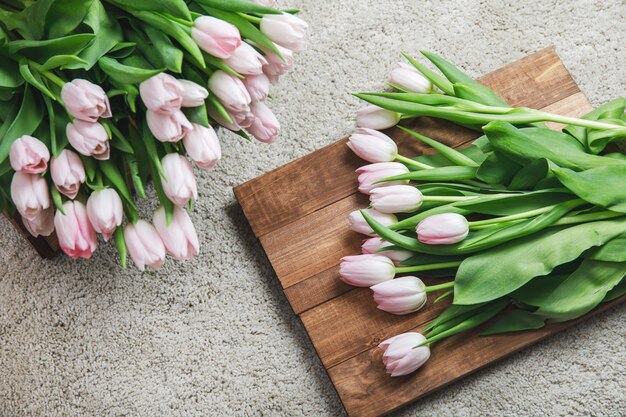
(46, 246)
(299, 214)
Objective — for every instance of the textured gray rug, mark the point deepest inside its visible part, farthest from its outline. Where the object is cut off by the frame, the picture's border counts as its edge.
(215, 336)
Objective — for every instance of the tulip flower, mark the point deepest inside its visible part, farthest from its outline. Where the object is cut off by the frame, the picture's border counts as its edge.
(105, 212)
(246, 60)
(68, 173)
(203, 146)
(396, 199)
(230, 91)
(374, 117)
(286, 30)
(410, 79)
(179, 237)
(85, 100)
(179, 183)
(400, 296)
(373, 146)
(89, 139)
(442, 229)
(401, 356)
(42, 224)
(376, 245)
(215, 37)
(193, 95)
(265, 126)
(29, 155)
(144, 245)
(168, 127)
(369, 174)
(30, 194)
(223, 122)
(359, 224)
(258, 86)
(162, 93)
(366, 270)
(277, 66)
(77, 238)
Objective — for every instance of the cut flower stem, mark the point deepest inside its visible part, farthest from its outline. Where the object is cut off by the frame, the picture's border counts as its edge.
(429, 267)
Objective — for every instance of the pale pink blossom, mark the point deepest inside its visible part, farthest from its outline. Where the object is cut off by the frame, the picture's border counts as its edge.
(258, 86)
(179, 237)
(168, 127)
(30, 194)
(85, 100)
(215, 37)
(77, 238)
(369, 174)
(396, 199)
(29, 155)
(265, 126)
(68, 173)
(366, 270)
(277, 65)
(162, 93)
(105, 211)
(377, 246)
(374, 117)
(231, 91)
(400, 296)
(442, 229)
(42, 224)
(203, 146)
(410, 79)
(193, 95)
(144, 245)
(372, 145)
(89, 139)
(246, 60)
(360, 225)
(286, 30)
(402, 356)
(179, 182)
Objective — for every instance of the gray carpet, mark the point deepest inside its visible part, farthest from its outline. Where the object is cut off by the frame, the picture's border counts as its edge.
(215, 336)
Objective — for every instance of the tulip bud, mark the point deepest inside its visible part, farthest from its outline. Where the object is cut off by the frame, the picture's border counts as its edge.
(401, 356)
(285, 29)
(162, 93)
(179, 183)
(373, 146)
(29, 155)
(76, 235)
(374, 117)
(68, 173)
(193, 95)
(168, 127)
(369, 174)
(105, 212)
(202, 146)
(179, 237)
(230, 91)
(144, 245)
(358, 223)
(275, 65)
(376, 246)
(410, 79)
(215, 37)
(258, 86)
(396, 199)
(246, 60)
(220, 120)
(366, 270)
(442, 229)
(265, 126)
(30, 194)
(89, 139)
(85, 100)
(42, 224)
(402, 295)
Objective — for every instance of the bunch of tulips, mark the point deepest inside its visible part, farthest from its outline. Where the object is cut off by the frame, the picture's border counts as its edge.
(77, 147)
(522, 219)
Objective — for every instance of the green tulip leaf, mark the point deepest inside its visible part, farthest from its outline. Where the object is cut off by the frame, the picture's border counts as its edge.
(43, 50)
(613, 251)
(441, 82)
(126, 74)
(614, 109)
(497, 169)
(26, 121)
(447, 173)
(603, 186)
(35, 80)
(437, 160)
(241, 6)
(175, 8)
(505, 205)
(515, 321)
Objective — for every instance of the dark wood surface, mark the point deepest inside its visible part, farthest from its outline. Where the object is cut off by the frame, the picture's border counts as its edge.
(46, 246)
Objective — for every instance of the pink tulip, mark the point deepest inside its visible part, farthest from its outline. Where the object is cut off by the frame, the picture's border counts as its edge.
(30, 194)
(376, 246)
(246, 60)
(396, 199)
(373, 146)
(220, 120)
(410, 79)
(76, 235)
(89, 139)
(369, 174)
(275, 65)
(366, 270)
(179, 183)
(168, 127)
(359, 225)
(162, 93)
(68, 173)
(29, 155)
(215, 37)
(400, 296)
(179, 237)
(193, 95)
(144, 245)
(202, 146)
(230, 91)
(258, 86)
(401, 356)
(374, 117)
(265, 126)
(442, 229)
(85, 100)
(42, 224)
(286, 30)
(105, 211)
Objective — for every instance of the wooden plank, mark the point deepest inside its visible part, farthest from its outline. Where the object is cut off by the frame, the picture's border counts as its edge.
(46, 246)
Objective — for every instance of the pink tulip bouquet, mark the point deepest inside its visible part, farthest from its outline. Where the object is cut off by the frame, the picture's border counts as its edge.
(529, 221)
(100, 99)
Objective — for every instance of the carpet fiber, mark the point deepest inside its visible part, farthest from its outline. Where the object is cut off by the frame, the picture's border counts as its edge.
(215, 336)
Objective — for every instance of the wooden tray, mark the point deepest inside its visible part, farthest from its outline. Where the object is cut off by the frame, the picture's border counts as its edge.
(299, 214)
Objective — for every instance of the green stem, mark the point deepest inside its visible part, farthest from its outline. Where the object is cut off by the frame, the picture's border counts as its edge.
(591, 124)
(52, 77)
(182, 22)
(444, 286)
(429, 267)
(249, 18)
(448, 199)
(413, 162)
(524, 215)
